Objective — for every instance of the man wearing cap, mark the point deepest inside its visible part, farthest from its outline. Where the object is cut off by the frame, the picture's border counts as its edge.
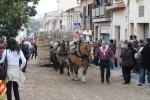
(104, 53)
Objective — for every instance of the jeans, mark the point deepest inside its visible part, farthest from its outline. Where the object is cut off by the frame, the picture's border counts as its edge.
(103, 65)
(142, 75)
(111, 64)
(126, 71)
(116, 62)
(9, 85)
(34, 54)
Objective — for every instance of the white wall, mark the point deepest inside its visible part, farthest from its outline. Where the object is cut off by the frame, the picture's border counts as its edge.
(120, 18)
(138, 21)
(68, 21)
(21, 35)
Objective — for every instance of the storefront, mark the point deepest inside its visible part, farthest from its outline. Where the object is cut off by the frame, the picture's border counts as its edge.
(105, 33)
(87, 35)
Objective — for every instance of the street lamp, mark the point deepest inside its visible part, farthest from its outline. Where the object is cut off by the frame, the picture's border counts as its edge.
(58, 1)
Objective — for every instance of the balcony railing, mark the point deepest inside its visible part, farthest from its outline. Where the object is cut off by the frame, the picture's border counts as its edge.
(119, 4)
(101, 13)
(86, 23)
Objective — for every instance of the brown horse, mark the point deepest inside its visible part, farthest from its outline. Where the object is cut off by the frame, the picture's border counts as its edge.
(76, 62)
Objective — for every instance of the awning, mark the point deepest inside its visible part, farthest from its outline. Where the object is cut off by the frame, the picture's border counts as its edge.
(87, 32)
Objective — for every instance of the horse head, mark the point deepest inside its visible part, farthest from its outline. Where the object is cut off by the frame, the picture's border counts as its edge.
(63, 47)
(85, 48)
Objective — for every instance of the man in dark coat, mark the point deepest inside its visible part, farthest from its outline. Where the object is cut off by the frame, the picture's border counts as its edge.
(34, 52)
(145, 62)
(25, 51)
(112, 46)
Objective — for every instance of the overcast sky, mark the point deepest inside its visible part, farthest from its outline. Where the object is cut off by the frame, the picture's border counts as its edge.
(46, 6)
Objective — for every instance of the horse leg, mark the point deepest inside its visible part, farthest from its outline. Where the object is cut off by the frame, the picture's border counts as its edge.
(71, 72)
(76, 73)
(67, 65)
(61, 68)
(68, 70)
(55, 65)
(84, 74)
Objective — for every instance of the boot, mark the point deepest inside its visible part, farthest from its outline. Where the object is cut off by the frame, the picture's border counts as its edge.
(78, 49)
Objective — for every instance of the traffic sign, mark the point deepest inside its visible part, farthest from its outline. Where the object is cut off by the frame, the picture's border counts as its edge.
(77, 35)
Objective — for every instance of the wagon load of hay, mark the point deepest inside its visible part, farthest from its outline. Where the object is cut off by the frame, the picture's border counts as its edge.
(43, 52)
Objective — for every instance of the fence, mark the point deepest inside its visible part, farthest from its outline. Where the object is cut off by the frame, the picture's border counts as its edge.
(56, 34)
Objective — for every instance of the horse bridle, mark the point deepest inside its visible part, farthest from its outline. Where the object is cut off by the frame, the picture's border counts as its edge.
(87, 49)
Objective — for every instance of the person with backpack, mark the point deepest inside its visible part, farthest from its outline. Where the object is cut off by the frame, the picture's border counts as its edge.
(25, 51)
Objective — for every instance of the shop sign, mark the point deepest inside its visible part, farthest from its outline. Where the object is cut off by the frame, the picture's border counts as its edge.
(105, 29)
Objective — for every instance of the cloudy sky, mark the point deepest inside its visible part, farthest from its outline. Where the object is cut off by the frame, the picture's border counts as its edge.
(46, 6)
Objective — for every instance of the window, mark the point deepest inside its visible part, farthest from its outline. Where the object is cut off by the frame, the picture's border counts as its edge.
(141, 11)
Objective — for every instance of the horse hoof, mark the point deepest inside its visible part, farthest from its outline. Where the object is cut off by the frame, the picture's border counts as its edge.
(71, 77)
(76, 79)
(83, 79)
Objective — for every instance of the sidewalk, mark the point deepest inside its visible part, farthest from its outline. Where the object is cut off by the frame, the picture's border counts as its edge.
(118, 72)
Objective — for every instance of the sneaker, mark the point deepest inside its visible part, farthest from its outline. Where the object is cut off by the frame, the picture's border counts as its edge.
(140, 84)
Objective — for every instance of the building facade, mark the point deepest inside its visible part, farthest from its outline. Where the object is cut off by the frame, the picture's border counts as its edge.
(86, 19)
(120, 19)
(139, 19)
(50, 21)
(21, 35)
(102, 20)
(71, 20)
(130, 17)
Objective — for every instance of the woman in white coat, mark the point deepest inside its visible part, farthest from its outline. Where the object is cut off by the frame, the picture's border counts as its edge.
(14, 77)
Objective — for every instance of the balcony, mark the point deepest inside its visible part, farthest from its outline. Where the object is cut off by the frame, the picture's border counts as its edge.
(116, 6)
(101, 14)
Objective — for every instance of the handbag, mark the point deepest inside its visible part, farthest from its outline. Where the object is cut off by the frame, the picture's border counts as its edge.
(127, 62)
(3, 68)
(137, 55)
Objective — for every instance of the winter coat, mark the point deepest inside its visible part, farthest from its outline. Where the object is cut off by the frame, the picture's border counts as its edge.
(145, 57)
(113, 48)
(126, 56)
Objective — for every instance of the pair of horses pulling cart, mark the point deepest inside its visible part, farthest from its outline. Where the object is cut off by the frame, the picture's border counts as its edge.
(65, 54)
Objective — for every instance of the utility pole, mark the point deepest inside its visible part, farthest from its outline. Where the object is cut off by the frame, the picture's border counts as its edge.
(58, 1)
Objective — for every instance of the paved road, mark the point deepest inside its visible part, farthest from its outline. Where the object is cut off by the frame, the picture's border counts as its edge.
(43, 83)
(118, 72)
